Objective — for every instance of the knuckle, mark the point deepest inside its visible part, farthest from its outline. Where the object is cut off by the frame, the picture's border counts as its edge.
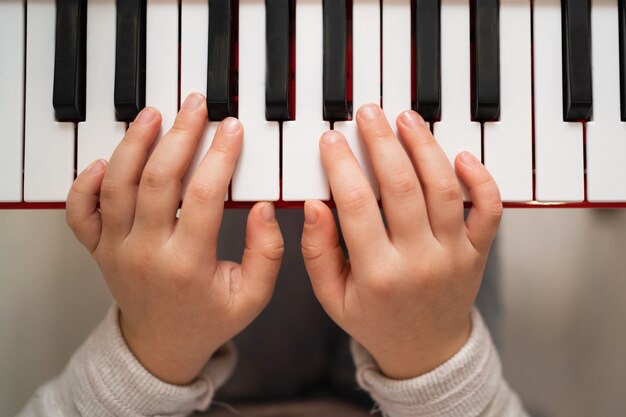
(425, 145)
(139, 262)
(155, 177)
(75, 192)
(355, 200)
(494, 214)
(73, 220)
(448, 189)
(310, 250)
(205, 192)
(402, 183)
(224, 150)
(180, 128)
(132, 139)
(274, 249)
(109, 190)
(491, 199)
(183, 278)
(383, 287)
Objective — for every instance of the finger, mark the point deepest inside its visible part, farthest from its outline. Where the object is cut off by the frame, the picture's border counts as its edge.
(82, 212)
(360, 217)
(203, 205)
(444, 200)
(118, 195)
(400, 189)
(263, 254)
(484, 217)
(323, 257)
(160, 187)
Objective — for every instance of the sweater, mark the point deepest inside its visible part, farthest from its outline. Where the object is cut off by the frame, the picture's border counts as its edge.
(104, 379)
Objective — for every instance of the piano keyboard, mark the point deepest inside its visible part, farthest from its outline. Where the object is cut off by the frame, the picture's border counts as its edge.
(537, 89)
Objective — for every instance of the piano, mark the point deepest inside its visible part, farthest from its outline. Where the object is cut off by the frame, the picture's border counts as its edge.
(536, 89)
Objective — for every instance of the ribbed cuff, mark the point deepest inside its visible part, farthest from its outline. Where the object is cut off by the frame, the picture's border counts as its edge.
(461, 387)
(118, 384)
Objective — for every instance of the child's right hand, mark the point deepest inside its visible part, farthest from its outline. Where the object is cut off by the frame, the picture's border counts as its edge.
(407, 291)
(178, 303)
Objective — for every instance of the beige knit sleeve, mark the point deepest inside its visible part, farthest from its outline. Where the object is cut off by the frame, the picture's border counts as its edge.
(104, 378)
(470, 384)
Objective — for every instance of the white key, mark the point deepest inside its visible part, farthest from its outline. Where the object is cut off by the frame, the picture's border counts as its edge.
(365, 75)
(49, 150)
(256, 177)
(396, 58)
(508, 143)
(558, 145)
(11, 99)
(101, 132)
(303, 174)
(606, 134)
(162, 59)
(194, 69)
(456, 132)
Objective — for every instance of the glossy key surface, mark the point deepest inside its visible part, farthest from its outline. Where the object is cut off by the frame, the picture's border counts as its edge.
(130, 59)
(70, 60)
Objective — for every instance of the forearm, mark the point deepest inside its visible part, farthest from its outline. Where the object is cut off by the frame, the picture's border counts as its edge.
(104, 378)
(470, 384)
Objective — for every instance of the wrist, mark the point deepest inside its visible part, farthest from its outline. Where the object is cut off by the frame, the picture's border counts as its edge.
(172, 359)
(413, 360)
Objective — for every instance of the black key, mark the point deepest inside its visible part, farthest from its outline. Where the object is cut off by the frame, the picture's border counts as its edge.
(335, 56)
(130, 59)
(278, 75)
(577, 93)
(622, 54)
(428, 58)
(486, 60)
(70, 60)
(220, 87)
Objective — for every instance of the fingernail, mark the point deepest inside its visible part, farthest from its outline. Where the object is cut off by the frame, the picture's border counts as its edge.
(193, 101)
(412, 119)
(95, 168)
(331, 137)
(310, 213)
(230, 125)
(370, 111)
(468, 159)
(268, 213)
(145, 116)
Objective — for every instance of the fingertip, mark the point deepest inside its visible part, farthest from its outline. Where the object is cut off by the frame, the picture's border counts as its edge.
(147, 115)
(468, 160)
(317, 212)
(369, 111)
(193, 101)
(331, 137)
(469, 168)
(268, 213)
(231, 125)
(410, 120)
(311, 214)
(263, 216)
(96, 168)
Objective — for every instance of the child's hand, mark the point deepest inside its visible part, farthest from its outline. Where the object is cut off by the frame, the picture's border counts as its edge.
(406, 293)
(178, 303)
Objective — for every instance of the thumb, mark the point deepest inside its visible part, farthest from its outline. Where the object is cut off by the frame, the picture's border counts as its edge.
(82, 212)
(264, 252)
(484, 216)
(323, 257)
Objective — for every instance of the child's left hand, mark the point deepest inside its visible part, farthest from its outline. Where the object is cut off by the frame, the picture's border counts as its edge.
(407, 291)
(178, 302)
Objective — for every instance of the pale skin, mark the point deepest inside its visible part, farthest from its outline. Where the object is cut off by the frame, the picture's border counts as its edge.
(405, 294)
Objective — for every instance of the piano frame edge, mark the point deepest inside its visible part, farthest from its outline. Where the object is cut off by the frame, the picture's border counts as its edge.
(299, 205)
